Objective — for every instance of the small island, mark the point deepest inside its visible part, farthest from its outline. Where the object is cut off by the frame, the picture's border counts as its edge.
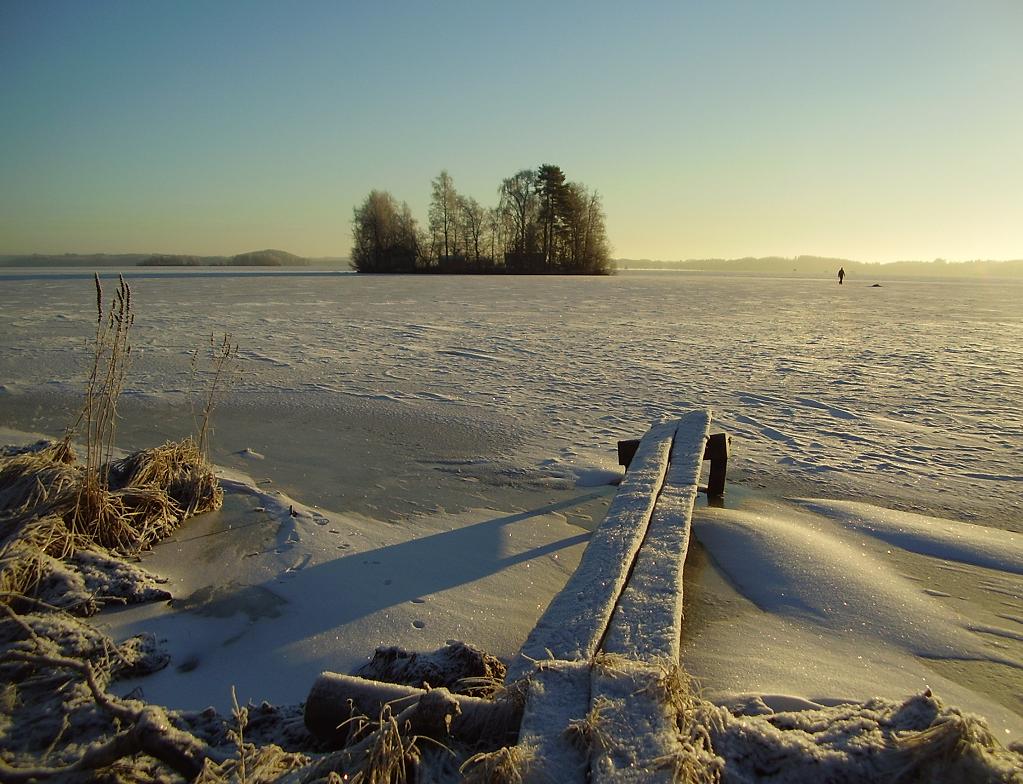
(542, 225)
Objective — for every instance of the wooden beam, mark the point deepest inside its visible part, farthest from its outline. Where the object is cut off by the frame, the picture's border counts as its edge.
(559, 694)
(647, 620)
(335, 698)
(574, 622)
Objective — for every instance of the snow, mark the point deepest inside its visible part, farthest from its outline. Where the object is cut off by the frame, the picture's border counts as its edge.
(448, 444)
(829, 615)
(851, 392)
(267, 600)
(559, 694)
(951, 540)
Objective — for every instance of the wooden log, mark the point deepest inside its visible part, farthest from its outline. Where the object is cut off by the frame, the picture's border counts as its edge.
(334, 699)
(573, 624)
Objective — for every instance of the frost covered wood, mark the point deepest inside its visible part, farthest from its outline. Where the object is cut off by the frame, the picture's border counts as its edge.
(647, 621)
(559, 694)
(335, 699)
(598, 663)
(574, 623)
(607, 710)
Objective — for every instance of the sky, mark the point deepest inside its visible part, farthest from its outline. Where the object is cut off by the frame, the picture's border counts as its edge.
(867, 130)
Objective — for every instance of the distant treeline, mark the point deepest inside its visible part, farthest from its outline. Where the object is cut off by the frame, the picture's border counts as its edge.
(542, 224)
(821, 265)
(73, 260)
(257, 258)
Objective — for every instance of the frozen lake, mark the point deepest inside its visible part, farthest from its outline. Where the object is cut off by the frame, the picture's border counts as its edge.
(480, 416)
(908, 394)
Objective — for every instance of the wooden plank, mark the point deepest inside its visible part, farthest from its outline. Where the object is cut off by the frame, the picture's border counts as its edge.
(643, 641)
(638, 721)
(575, 621)
(559, 693)
(647, 621)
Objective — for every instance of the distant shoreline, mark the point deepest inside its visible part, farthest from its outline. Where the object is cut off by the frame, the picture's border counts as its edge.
(770, 266)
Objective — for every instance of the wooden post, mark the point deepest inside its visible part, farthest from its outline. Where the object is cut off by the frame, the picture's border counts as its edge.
(626, 451)
(717, 452)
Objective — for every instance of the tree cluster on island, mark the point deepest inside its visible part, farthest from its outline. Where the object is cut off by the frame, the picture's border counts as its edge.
(542, 224)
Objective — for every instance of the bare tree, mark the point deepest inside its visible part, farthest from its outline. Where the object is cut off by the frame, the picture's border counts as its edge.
(519, 201)
(597, 253)
(444, 215)
(496, 232)
(473, 218)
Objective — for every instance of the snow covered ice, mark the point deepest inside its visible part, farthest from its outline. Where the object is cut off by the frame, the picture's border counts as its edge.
(447, 443)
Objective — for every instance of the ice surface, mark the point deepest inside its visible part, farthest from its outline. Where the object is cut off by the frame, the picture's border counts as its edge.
(405, 407)
(908, 394)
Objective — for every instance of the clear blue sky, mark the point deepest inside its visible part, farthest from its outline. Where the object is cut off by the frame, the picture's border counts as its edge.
(870, 130)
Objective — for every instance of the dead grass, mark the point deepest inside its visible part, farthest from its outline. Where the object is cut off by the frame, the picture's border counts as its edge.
(956, 748)
(52, 504)
(591, 733)
(507, 765)
(251, 764)
(52, 508)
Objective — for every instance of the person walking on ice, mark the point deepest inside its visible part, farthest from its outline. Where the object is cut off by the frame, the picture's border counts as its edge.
(841, 275)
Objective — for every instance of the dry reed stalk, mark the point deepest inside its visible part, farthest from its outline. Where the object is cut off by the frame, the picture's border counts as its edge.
(694, 761)
(29, 479)
(180, 468)
(25, 551)
(221, 356)
(591, 733)
(507, 765)
(52, 506)
(390, 758)
(110, 360)
(956, 748)
(251, 763)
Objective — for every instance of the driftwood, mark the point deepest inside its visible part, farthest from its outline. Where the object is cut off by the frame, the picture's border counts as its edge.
(148, 731)
(335, 700)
